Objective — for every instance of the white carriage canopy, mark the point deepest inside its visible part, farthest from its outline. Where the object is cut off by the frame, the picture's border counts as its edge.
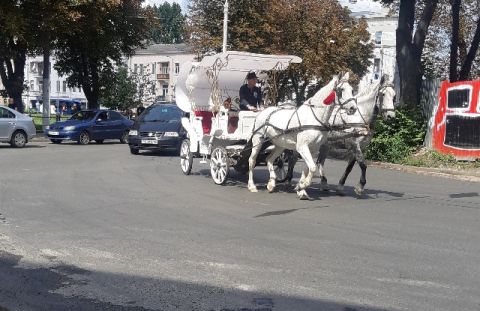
(221, 76)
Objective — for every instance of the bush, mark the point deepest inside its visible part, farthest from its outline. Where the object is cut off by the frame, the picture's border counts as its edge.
(396, 139)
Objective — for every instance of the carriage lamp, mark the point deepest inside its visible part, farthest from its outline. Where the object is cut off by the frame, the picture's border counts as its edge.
(171, 134)
(133, 133)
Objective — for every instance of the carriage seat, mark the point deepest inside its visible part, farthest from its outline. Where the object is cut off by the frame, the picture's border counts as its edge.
(206, 119)
(246, 121)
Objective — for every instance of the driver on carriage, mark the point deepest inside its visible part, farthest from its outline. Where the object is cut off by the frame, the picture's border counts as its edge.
(250, 94)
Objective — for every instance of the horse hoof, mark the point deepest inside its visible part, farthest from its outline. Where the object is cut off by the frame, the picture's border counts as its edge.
(302, 195)
(270, 188)
(324, 188)
(253, 189)
(359, 191)
(340, 190)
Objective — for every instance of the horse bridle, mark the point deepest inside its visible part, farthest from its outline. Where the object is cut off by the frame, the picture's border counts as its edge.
(379, 98)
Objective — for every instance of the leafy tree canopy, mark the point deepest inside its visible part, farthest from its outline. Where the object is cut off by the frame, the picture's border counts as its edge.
(171, 26)
(104, 32)
(319, 31)
(119, 90)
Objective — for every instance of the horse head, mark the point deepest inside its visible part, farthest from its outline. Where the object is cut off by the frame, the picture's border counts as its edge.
(386, 99)
(344, 93)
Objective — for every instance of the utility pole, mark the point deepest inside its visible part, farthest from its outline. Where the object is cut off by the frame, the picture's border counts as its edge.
(225, 26)
(46, 88)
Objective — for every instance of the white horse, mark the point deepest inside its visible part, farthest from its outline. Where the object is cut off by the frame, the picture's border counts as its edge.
(303, 129)
(355, 131)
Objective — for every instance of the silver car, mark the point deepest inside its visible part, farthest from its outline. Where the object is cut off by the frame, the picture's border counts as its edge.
(16, 128)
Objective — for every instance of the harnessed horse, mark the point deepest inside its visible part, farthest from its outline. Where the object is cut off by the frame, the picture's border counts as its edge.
(303, 129)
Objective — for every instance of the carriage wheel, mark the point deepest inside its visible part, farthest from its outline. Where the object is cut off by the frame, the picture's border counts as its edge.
(281, 167)
(219, 167)
(186, 157)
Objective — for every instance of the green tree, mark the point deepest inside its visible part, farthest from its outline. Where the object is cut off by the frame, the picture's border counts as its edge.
(14, 45)
(105, 32)
(119, 90)
(28, 26)
(171, 26)
(319, 31)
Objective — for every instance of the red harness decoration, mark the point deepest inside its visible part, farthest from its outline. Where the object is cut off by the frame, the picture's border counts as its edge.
(330, 99)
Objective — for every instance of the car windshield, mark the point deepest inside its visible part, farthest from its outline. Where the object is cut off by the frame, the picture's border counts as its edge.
(83, 115)
(162, 114)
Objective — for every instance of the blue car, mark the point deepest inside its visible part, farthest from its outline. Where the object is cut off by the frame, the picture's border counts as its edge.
(87, 125)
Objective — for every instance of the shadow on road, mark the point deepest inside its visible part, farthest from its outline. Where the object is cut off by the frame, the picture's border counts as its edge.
(35, 289)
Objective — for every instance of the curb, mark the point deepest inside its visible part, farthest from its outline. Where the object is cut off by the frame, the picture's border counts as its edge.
(464, 175)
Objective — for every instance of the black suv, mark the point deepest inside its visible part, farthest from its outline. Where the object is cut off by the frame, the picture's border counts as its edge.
(159, 127)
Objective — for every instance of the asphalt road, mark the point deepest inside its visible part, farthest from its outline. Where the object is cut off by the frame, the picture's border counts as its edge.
(95, 228)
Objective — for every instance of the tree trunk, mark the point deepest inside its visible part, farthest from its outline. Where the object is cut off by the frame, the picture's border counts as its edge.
(13, 76)
(46, 89)
(454, 40)
(467, 65)
(91, 84)
(409, 51)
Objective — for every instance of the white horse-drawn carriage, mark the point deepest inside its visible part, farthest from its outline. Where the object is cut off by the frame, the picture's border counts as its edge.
(208, 92)
(241, 139)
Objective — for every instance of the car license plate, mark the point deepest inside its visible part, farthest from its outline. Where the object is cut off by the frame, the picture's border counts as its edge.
(149, 141)
(53, 133)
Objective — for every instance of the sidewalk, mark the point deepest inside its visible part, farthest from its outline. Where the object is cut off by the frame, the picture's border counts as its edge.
(472, 175)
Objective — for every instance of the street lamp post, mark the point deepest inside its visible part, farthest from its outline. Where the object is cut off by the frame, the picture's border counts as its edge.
(225, 26)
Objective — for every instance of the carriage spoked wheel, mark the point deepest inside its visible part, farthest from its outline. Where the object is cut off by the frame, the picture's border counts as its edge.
(281, 167)
(219, 166)
(186, 157)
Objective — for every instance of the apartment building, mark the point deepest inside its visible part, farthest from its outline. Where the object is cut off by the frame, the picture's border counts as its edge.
(158, 67)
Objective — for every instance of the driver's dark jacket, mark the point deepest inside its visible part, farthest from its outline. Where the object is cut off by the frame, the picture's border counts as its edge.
(250, 97)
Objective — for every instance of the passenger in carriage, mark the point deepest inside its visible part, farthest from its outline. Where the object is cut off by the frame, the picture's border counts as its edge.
(250, 94)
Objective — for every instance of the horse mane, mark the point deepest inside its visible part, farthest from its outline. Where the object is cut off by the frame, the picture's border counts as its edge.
(369, 89)
(322, 91)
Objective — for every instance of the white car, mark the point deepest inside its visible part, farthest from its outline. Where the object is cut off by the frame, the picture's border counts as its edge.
(16, 128)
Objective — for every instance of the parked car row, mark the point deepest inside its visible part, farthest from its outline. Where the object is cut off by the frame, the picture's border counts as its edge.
(157, 128)
(16, 128)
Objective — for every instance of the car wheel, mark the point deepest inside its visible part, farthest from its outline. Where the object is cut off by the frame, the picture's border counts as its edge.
(19, 139)
(186, 157)
(124, 138)
(84, 138)
(134, 150)
(99, 141)
(56, 141)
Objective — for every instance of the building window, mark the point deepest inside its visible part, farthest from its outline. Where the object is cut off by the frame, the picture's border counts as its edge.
(164, 68)
(141, 69)
(58, 86)
(177, 68)
(64, 86)
(378, 38)
(165, 90)
(32, 85)
(154, 68)
(40, 85)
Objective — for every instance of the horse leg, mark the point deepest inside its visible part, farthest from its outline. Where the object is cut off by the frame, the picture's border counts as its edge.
(292, 160)
(360, 188)
(322, 155)
(256, 146)
(341, 183)
(276, 152)
(312, 167)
